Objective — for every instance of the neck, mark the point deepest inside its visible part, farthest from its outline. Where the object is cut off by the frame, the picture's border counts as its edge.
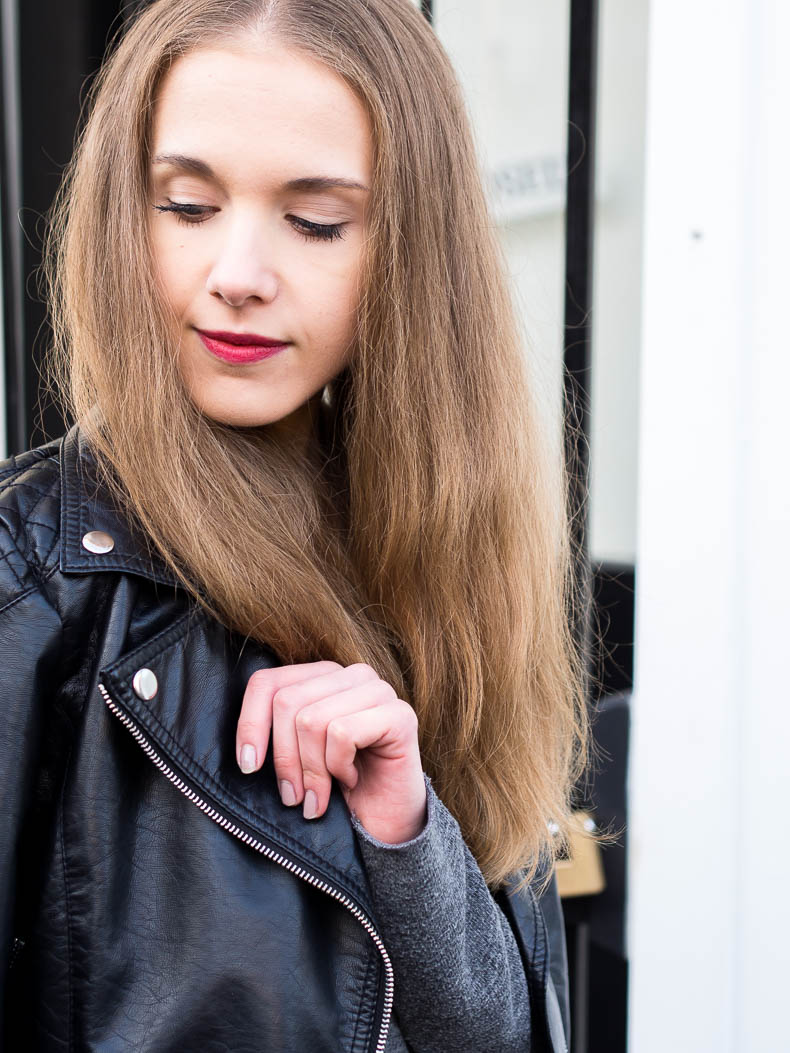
(297, 429)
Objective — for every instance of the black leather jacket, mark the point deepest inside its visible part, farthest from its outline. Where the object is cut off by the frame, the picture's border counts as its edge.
(127, 921)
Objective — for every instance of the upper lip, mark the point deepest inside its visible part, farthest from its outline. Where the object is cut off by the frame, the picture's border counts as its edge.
(242, 339)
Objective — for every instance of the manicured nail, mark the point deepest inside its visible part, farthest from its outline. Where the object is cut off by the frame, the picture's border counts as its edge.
(287, 792)
(310, 805)
(248, 761)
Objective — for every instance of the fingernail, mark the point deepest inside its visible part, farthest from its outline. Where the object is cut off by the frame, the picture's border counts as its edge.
(287, 792)
(248, 761)
(310, 805)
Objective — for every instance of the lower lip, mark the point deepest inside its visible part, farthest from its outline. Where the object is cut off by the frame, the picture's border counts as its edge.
(240, 354)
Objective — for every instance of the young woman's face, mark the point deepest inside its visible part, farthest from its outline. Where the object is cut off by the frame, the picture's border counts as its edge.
(256, 143)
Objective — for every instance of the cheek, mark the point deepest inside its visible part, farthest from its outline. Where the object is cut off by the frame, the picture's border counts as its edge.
(177, 269)
(335, 307)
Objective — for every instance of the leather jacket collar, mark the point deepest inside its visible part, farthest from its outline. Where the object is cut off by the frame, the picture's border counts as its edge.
(86, 506)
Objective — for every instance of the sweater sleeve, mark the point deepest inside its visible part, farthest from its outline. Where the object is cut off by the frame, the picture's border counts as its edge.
(459, 978)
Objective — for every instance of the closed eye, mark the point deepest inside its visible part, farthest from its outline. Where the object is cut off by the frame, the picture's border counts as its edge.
(194, 215)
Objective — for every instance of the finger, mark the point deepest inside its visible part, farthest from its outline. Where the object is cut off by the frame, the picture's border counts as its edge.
(287, 702)
(311, 725)
(255, 720)
(390, 728)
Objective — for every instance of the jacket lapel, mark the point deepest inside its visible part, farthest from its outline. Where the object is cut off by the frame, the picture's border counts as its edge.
(201, 671)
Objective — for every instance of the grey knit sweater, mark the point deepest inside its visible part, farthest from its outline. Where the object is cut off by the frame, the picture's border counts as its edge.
(459, 980)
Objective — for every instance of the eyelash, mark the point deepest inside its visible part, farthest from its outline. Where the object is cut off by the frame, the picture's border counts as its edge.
(309, 231)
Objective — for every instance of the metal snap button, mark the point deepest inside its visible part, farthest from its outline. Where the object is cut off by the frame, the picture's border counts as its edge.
(97, 541)
(145, 684)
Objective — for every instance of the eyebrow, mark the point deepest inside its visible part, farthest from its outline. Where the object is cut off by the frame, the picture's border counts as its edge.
(197, 167)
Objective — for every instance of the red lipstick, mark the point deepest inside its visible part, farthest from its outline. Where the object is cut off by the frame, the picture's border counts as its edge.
(240, 348)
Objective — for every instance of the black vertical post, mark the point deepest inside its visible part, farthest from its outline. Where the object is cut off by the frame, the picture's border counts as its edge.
(50, 51)
(579, 282)
(15, 379)
(579, 219)
(426, 6)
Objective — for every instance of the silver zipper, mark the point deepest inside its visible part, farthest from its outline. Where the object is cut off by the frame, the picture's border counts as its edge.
(226, 824)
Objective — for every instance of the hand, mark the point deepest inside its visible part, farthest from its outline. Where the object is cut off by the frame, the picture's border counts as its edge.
(329, 720)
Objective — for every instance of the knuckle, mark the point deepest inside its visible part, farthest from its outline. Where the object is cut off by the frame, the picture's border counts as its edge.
(340, 733)
(314, 778)
(285, 760)
(262, 677)
(308, 721)
(364, 671)
(387, 691)
(249, 728)
(409, 715)
(284, 700)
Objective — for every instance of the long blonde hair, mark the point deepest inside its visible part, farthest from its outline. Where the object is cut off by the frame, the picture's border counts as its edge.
(425, 531)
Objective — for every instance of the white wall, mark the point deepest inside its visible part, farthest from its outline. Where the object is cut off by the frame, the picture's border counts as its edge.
(708, 915)
(617, 278)
(512, 59)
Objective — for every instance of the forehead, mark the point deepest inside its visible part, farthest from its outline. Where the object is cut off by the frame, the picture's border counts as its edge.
(261, 109)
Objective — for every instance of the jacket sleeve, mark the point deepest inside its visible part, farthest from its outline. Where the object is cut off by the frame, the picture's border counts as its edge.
(551, 908)
(459, 978)
(30, 648)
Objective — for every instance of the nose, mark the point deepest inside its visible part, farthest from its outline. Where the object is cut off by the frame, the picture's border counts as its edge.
(243, 269)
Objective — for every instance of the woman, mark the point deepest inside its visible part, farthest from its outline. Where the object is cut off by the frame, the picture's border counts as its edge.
(291, 699)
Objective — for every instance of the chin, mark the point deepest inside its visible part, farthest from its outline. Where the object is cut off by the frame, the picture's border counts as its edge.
(255, 416)
(232, 416)
(239, 420)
